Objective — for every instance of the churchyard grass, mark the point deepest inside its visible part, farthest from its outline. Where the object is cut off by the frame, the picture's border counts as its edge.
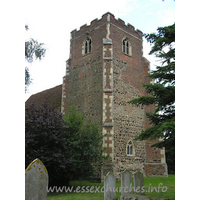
(169, 182)
(149, 182)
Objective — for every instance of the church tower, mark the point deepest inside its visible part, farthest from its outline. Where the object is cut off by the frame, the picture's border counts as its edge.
(105, 70)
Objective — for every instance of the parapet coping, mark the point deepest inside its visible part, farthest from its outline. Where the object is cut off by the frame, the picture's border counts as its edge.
(128, 25)
(113, 25)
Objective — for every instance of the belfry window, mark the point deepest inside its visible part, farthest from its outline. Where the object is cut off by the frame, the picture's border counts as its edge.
(126, 46)
(87, 46)
(129, 149)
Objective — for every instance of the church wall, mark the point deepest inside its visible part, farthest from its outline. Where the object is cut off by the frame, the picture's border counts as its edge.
(85, 71)
(128, 75)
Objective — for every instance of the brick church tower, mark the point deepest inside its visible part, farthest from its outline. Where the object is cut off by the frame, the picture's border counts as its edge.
(105, 70)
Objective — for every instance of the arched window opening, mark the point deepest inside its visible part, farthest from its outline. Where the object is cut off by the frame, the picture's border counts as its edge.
(87, 46)
(126, 46)
(129, 149)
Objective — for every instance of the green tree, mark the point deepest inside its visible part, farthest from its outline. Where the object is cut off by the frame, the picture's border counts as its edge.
(44, 127)
(84, 141)
(33, 50)
(162, 92)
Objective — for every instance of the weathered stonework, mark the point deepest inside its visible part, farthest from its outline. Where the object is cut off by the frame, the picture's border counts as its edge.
(101, 82)
(84, 84)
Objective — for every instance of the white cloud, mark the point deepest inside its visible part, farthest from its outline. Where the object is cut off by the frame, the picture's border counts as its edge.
(148, 13)
(167, 17)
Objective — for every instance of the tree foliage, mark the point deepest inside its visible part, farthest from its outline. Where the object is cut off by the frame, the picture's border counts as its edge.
(162, 92)
(44, 139)
(85, 144)
(33, 50)
(69, 148)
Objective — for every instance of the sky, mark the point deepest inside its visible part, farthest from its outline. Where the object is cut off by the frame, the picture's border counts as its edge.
(50, 22)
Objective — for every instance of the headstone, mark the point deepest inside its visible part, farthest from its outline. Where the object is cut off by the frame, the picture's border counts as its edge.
(109, 187)
(139, 183)
(126, 182)
(36, 181)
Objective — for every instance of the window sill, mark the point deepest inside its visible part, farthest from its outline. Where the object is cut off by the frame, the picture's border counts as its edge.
(85, 54)
(127, 54)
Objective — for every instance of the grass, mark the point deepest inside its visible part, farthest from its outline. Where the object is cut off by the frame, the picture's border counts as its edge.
(168, 185)
(151, 185)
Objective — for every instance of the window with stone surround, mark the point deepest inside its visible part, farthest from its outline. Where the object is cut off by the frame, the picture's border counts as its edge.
(126, 47)
(129, 148)
(87, 46)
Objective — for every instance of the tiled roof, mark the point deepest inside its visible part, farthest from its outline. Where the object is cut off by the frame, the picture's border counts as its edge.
(52, 96)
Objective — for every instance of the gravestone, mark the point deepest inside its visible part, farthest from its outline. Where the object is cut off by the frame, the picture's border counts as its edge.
(36, 181)
(139, 183)
(126, 182)
(109, 187)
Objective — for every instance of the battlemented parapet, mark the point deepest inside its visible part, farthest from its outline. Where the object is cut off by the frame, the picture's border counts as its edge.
(107, 17)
